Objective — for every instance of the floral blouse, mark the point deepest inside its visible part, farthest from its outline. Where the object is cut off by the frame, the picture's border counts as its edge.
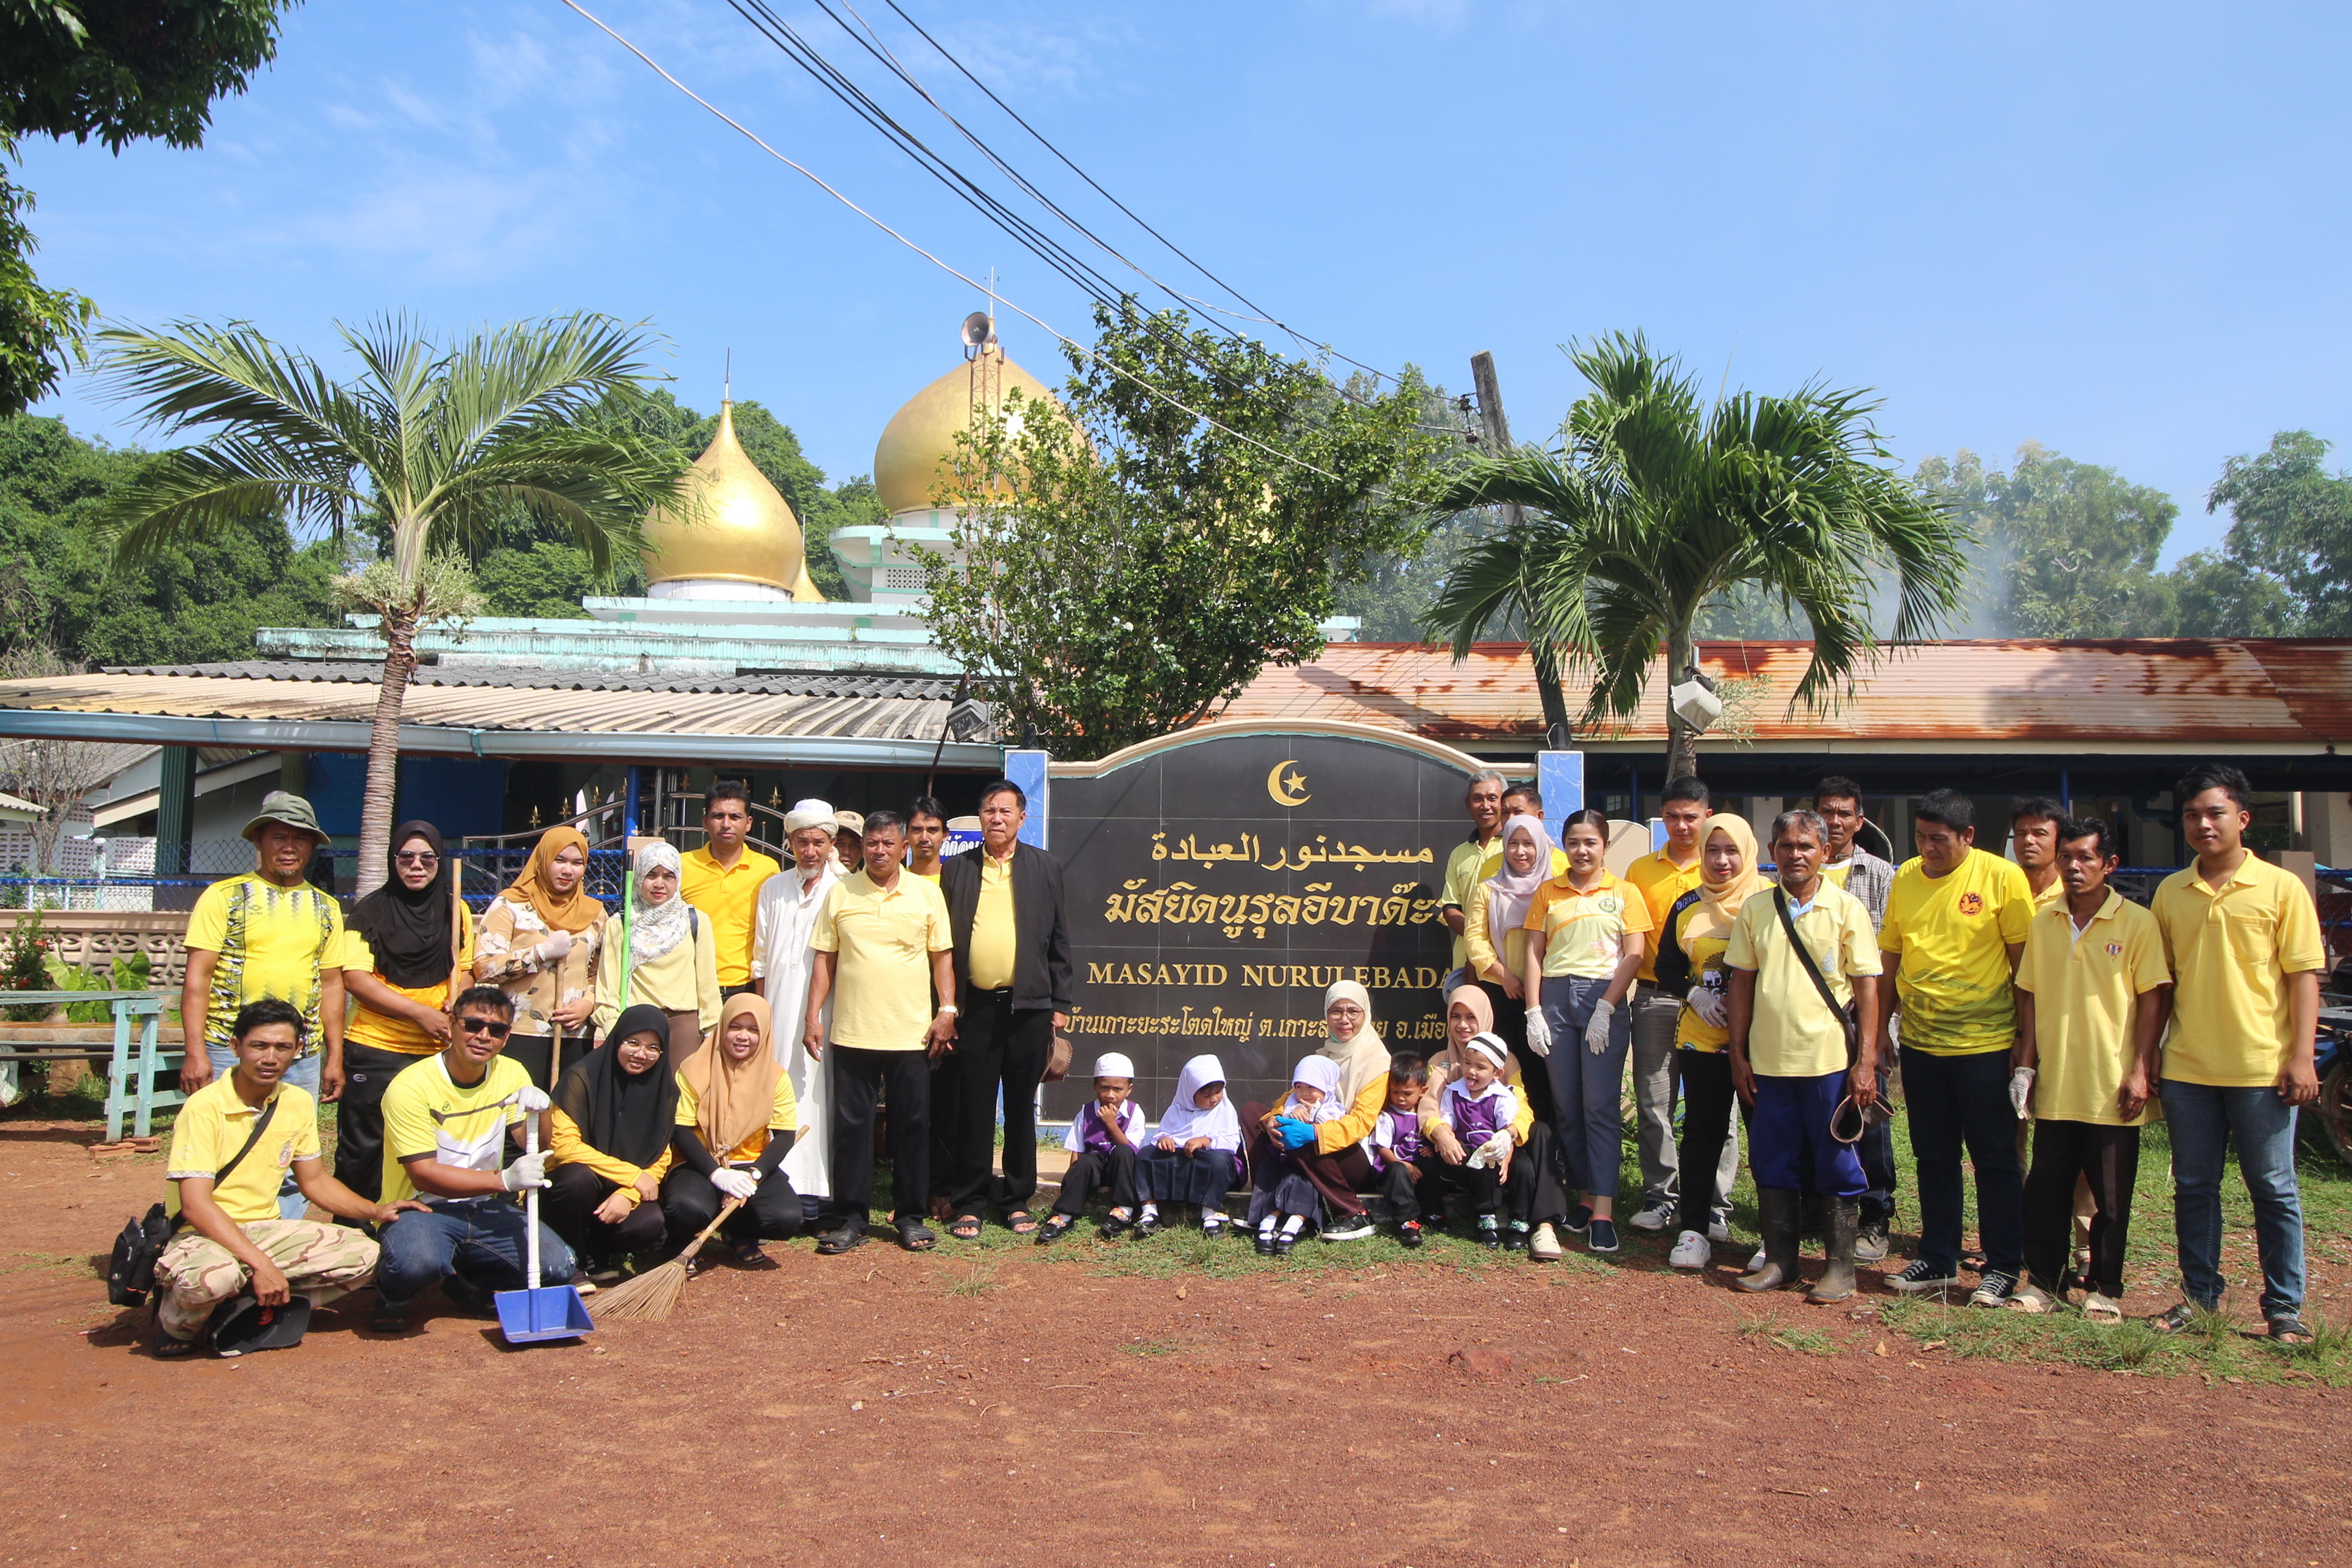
(506, 955)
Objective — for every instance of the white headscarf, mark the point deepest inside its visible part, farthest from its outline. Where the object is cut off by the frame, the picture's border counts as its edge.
(1316, 1072)
(657, 928)
(1509, 894)
(1363, 1058)
(1184, 1120)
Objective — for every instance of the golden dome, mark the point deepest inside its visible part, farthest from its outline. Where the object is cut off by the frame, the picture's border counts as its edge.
(911, 460)
(747, 533)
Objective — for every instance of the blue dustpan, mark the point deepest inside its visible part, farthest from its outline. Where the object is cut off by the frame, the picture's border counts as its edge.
(540, 1312)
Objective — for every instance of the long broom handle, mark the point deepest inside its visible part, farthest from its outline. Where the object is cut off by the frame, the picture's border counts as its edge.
(530, 1198)
(730, 1206)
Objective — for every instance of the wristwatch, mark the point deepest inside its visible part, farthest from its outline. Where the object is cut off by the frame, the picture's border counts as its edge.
(947, 1008)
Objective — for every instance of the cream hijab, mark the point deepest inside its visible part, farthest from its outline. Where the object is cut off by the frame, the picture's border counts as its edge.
(1363, 1058)
(1720, 898)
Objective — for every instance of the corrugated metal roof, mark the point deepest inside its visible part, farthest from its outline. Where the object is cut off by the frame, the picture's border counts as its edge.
(2110, 693)
(783, 683)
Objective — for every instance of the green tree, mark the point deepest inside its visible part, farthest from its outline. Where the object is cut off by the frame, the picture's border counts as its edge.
(1129, 568)
(2291, 520)
(1656, 506)
(121, 73)
(2209, 595)
(430, 444)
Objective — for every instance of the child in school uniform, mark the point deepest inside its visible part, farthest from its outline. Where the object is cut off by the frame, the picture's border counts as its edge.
(1196, 1154)
(1480, 1110)
(1103, 1140)
(1397, 1147)
(1283, 1200)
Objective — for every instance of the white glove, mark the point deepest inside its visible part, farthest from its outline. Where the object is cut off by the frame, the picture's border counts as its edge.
(531, 1171)
(1712, 1008)
(737, 1184)
(1596, 1032)
(1538, 1032)
(1490, 1153)
(533, 1100)
(2021, 1092)
(553, 950)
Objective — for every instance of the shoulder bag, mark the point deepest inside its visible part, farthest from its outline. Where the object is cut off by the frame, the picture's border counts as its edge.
(131, 1268)
(1844, 1118)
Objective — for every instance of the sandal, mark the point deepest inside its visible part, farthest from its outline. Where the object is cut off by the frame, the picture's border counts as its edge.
(2175, 1319)
(1021, 1222)
(2104, 1310)
(833, 1243)
(965, 1227)
(751, 1254)
(2289, 1330)
(916, 1237)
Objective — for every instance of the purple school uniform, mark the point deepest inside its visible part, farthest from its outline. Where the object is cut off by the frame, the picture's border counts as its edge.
(1400, 1135)
(1475, 1120)
(1092, 1135)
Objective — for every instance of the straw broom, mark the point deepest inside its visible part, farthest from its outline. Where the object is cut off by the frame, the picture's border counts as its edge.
(652, 1296)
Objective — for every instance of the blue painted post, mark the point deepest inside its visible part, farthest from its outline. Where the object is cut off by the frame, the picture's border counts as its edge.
(1028, 769)
(1657, 833)
(629, 800)
(2065, 792)
(1560, 777)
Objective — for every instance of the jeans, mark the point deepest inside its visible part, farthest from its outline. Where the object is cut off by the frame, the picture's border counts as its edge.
(483, 1241)
(1655, 1013)
(302, 1075)
(1584, 1087)
(2203, 1122)
(1877, 1151)
(1964, 1101)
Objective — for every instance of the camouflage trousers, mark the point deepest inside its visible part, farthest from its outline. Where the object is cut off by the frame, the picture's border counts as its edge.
(320, 1261)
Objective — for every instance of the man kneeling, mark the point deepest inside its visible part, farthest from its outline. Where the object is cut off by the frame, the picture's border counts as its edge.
(234, 1142)
(446, 1122)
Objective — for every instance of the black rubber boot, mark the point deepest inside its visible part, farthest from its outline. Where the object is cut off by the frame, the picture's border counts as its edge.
(1776, 1211)
(1843, 1219)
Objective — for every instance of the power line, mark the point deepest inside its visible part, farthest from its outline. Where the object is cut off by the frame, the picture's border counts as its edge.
(987, 290)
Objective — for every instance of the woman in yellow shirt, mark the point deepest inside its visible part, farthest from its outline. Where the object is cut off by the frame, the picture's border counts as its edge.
(672, 956)
(1690, 963)
(406, 941)
(1495, 938)
(608, 1145)
(736, 1122)
(1584, 945)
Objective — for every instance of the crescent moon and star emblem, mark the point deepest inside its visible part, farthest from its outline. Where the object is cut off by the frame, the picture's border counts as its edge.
(1286, 785)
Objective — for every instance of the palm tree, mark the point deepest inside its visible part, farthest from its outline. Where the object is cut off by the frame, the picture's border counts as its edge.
(1656, 505)
(427, 449)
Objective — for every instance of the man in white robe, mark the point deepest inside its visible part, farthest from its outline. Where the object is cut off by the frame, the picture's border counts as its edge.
(780, 962)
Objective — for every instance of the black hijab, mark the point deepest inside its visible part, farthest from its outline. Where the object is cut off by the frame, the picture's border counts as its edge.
(409, 933)
(618, 1114)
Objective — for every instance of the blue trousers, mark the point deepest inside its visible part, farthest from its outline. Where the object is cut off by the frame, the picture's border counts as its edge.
(1788, 1137)
(303, 1075)
(2203, 1121)
(481, 1240)
(1586, 1094)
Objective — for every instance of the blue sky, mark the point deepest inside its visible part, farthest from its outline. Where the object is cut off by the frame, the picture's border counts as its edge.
(2112, 229)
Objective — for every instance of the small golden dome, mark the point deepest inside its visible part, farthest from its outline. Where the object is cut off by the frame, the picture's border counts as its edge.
(913, 457)
(747, 533)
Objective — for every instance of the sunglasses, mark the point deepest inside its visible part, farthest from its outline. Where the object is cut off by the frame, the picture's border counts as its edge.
(417, 858)
(489, 1026)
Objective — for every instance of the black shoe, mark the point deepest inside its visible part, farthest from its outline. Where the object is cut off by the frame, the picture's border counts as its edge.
(388, 1318)
(1919, 1277)
(1116, 1225)
(1514, 1237)
(1264, 1244)
(1282, 1243)
(164, 1347)
(1490, 1235)
(1146, 1227)
(1409, 1233)
(1579, 1219)
(468, 1297)
(833, 1243)
(1054, 1229)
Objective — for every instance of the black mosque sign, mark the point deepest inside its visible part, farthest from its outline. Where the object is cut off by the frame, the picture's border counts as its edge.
(1217, 884)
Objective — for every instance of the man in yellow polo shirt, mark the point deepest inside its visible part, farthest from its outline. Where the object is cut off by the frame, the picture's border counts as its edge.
(2244, 944)
(883, 951)
(1484, 802)
(2090, 1002)
(1661, 876)
(1956, 923)
(723, 879)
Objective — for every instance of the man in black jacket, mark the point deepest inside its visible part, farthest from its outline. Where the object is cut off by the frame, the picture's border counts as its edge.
(1013, 992)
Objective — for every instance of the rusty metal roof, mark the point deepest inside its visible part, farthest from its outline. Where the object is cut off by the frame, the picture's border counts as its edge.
(782, 683)
(2149, 693)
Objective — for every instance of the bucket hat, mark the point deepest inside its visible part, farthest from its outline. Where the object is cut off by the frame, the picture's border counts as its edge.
(289, 810)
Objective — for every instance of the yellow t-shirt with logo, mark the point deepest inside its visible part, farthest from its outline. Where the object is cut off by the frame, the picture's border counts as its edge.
(427, 1112)
(214, 1124)
(882, 982)
(1583, 931)
(1710, 972)
(1660, 882)
(1952, 933)
(1793, 1032)
(2085, 989)
(272, 941)
(2232, 950)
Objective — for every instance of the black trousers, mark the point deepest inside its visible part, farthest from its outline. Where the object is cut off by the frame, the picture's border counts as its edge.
(1877, 1150)
(1956, 1103)
(947, 1123)
(537, 1055)
(1400, 1185)
(858, 1077)
(2108, 1159)
(998, 1048)
(359, 1116)
(1535, 1073)
(569, 1207)
(1094, 1168)
(1533, 1194)
(688, 1202)
(1708, 1102)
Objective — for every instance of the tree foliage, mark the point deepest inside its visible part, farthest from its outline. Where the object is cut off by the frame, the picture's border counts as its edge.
(1133, 566)
(2291, 520)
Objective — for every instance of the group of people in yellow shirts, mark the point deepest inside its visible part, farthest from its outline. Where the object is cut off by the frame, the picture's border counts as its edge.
(1789, 979)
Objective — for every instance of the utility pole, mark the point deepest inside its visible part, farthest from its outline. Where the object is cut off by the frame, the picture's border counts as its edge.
(1498, 429)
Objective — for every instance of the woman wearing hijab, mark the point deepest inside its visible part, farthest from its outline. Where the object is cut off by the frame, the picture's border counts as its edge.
(1194, 1156)
(1537, 1202)
(1331, 1153)
(672, 956)
(405, 944)
(609, 1144)
(735, 1122)
(1691, 947)
(1493, 934)
(540, 943)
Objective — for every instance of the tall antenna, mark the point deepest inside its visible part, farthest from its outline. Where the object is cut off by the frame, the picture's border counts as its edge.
(726, 394)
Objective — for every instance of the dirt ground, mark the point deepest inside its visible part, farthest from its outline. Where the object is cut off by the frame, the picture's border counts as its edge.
(1014, 1406)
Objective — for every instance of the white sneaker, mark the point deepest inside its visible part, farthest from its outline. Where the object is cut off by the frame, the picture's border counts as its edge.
(1756, 1264)
(1657, 1215)
(1718, 1229)
(1692, 1250)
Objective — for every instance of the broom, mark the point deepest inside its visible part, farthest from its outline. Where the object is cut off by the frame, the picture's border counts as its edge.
(652, 1296)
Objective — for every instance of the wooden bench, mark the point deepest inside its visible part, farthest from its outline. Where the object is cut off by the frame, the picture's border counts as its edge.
(137, 1046)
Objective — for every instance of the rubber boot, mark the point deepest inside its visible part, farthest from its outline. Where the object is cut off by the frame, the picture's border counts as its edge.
(1777, 1211)
(1842, 1220)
